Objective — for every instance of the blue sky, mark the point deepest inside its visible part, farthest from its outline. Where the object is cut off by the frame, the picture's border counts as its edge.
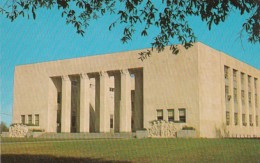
(49, 38)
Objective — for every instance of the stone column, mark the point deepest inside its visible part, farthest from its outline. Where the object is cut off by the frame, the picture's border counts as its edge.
(258, 100)
(138, 104)
(246, 100)
(176, 115)
(66, 104)
(165, 114)
(239, 99)
(103, 104)
(117, 97)
(231, 92)
(253, 101)
(125, 103)
(84, 103)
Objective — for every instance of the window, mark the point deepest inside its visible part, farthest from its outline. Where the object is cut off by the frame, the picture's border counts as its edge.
(249, 98)
(242, 78)
(243, 96)
(250, 120)
(59, 98)
(234, 75)
(256, 105)
(74, 82)
(236, 119)
(36, 120)
(235, 95)
(111, 121)
(111, 89)
(182, 115)
(170, 115)
(227, 117)
(23, 119)
(249, 84)
(226, 72)
(226, 91)
(29, 119)
(73, 121)
(244, 119)
(256, 120)
(159, 114)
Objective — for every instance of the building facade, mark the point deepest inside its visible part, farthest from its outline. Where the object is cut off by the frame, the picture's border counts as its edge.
(200, 87)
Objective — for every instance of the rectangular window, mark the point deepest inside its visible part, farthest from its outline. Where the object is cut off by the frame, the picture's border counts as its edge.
(235, 95)
(250, 120)
(30, 119)
(226, 91)
(244, 119)
(242, 78)
(227, 118)
(111, 121)
(243, 96)
(111, 89)
(182, 115)
(37, 122)
(59, 98)
(74, 83)
(73, 121)
(23, 119)
(256, 104)
(160, 114)
(170, 115)
(236, 119)
(249, 98)
(256, 120)
(226, 72)
(249, 84)
(234, 75)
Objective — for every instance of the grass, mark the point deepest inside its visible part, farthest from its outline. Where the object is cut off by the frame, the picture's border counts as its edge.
(132, 150)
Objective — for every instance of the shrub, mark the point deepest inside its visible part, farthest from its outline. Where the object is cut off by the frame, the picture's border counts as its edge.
(188, 128)
(37, 130)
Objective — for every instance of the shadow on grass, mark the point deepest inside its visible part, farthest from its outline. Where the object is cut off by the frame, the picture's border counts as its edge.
(23, 158)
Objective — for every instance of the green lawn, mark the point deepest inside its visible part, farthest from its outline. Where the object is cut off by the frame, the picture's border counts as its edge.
(132, 150)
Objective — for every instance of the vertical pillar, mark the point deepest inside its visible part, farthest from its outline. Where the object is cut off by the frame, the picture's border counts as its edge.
(239, 99)
(165, 114)
(103, 106)
(176, 115)
(253, 100)
(138, 104)
(246, 100)
(231, 91)
(66, 104)
(125, 103)
(117, 97)
(258, 100)
(77, 100)
(84, 103)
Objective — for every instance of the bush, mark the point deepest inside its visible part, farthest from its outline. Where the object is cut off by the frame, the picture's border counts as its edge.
(4, 128)
(188, 128)
(30, 124)
(14, 124)
(37, 130)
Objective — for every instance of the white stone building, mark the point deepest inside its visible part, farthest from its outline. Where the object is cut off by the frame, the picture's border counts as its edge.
(200, 87)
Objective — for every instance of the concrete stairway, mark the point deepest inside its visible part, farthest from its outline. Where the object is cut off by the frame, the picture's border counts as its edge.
(87, 135)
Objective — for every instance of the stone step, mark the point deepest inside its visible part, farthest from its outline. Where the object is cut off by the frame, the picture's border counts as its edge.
(86, 135)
